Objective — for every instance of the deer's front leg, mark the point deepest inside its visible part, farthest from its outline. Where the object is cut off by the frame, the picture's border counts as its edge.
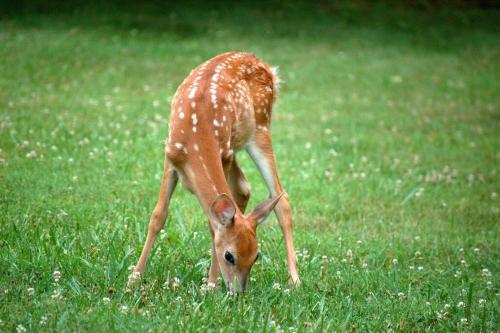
(156, 222)
(261, 152)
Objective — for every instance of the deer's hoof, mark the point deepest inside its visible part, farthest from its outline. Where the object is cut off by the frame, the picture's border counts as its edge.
(134, 279)
(294, 281)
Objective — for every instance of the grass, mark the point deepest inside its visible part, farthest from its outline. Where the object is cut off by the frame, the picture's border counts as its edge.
(386, 135)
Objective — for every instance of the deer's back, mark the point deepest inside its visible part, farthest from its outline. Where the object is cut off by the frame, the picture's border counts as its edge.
(223, 101)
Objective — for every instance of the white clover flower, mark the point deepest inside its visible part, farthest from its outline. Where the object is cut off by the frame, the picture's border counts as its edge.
(349, 253)
(333, 152)
(276, 286)
(401, 295)
(20, 329)
(460, 304)
(106, 300)
(420, 268)
(178, 298)
(57, 276)
(286, 292)
(31, 291)
(482, 302)
(446, 306)
(207, 287)
(124, 309)
(176, 283)
(394, 261)
(485, 272)
(463, 321)
(32, 154)
(43, 321)
(56, 296)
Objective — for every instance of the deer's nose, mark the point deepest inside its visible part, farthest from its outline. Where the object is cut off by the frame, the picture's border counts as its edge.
(243, 281)
(238, 285)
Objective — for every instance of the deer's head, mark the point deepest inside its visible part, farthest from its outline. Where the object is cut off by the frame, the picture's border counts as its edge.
(235, 238)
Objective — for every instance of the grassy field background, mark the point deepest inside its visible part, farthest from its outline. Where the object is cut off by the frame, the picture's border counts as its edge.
(387, 140)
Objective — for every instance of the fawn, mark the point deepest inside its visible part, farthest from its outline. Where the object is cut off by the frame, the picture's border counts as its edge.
(223, 106)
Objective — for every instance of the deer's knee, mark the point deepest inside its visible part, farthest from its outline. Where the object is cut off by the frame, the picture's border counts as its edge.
(284, 212)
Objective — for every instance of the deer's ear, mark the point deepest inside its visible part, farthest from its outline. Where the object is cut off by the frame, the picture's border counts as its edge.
(222, 210)
(262, 211)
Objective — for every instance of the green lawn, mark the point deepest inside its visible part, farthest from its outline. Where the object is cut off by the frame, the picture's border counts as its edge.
(387, 140)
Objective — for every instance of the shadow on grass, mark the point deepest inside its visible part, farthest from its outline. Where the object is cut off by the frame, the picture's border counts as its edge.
(429, 23)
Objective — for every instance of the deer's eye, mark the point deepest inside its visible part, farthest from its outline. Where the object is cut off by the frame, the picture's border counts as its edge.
(229, 257)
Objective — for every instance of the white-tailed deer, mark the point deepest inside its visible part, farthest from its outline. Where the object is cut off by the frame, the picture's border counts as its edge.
(223, 106)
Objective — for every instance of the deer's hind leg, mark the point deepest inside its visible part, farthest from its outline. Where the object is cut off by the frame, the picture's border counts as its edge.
(261, 152)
